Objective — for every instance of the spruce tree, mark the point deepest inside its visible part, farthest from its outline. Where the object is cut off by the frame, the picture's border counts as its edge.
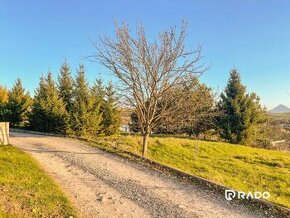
(98, 95)
(65, 86)
(48, 110)
(111, 114)
(242, 114)
(98, 92)
(19, 103)
(85, 116)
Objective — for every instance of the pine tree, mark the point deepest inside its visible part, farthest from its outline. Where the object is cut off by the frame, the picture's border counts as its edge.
(19, 103)
(86, 117)
(111, 114)
(242, 114)
(48, 110)
(65, 86)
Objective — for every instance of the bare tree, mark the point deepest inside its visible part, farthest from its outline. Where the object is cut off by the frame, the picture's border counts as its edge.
(147, 70)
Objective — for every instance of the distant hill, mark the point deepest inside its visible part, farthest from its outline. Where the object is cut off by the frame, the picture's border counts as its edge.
(280, 109)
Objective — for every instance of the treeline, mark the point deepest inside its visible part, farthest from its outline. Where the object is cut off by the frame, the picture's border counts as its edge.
(195, 110)
(66, 106)
(70, 106)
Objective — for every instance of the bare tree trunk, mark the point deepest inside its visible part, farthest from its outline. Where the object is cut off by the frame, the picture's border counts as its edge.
(145, 143)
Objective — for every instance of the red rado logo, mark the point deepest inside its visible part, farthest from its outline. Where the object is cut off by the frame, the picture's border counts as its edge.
(231, 194)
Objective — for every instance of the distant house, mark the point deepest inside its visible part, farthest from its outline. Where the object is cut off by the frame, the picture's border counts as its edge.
(285, 125)
(125, 128)
(125, 119)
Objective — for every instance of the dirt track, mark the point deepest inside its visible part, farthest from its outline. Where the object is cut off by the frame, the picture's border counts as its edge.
(104, 185)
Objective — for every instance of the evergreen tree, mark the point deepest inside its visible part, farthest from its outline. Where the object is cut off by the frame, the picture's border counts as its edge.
(190, 110)
(98, 92)
(85, 117)
(242, 114)
(195, 114)
(111, 114)
(134, 122)
(98, 95)
(48, 110)
(65, 86)
(3, 104)
(106, 98)
(19, 103)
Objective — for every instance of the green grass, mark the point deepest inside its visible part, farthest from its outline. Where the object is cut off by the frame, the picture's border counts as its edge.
(239, 167)
(26, 191)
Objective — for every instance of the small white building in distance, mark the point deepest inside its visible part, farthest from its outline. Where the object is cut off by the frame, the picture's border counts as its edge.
(125, 128)
(125, 119)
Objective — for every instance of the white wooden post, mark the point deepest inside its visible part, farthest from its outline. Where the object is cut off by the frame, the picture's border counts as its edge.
(4, 133)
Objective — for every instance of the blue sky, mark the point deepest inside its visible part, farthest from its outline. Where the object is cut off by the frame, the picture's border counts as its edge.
(251, 35)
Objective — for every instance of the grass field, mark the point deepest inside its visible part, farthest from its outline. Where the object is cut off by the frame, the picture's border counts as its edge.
(26, 191)
(240, 167)
(280, 116)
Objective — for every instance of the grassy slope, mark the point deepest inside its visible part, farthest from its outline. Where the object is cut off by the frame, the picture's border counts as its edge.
(26, 191)
(240, 167)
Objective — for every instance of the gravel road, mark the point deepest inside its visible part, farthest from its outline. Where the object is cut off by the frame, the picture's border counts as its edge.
(105, 185)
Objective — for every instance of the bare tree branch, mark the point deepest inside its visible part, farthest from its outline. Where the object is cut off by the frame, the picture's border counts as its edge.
(148, 70)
